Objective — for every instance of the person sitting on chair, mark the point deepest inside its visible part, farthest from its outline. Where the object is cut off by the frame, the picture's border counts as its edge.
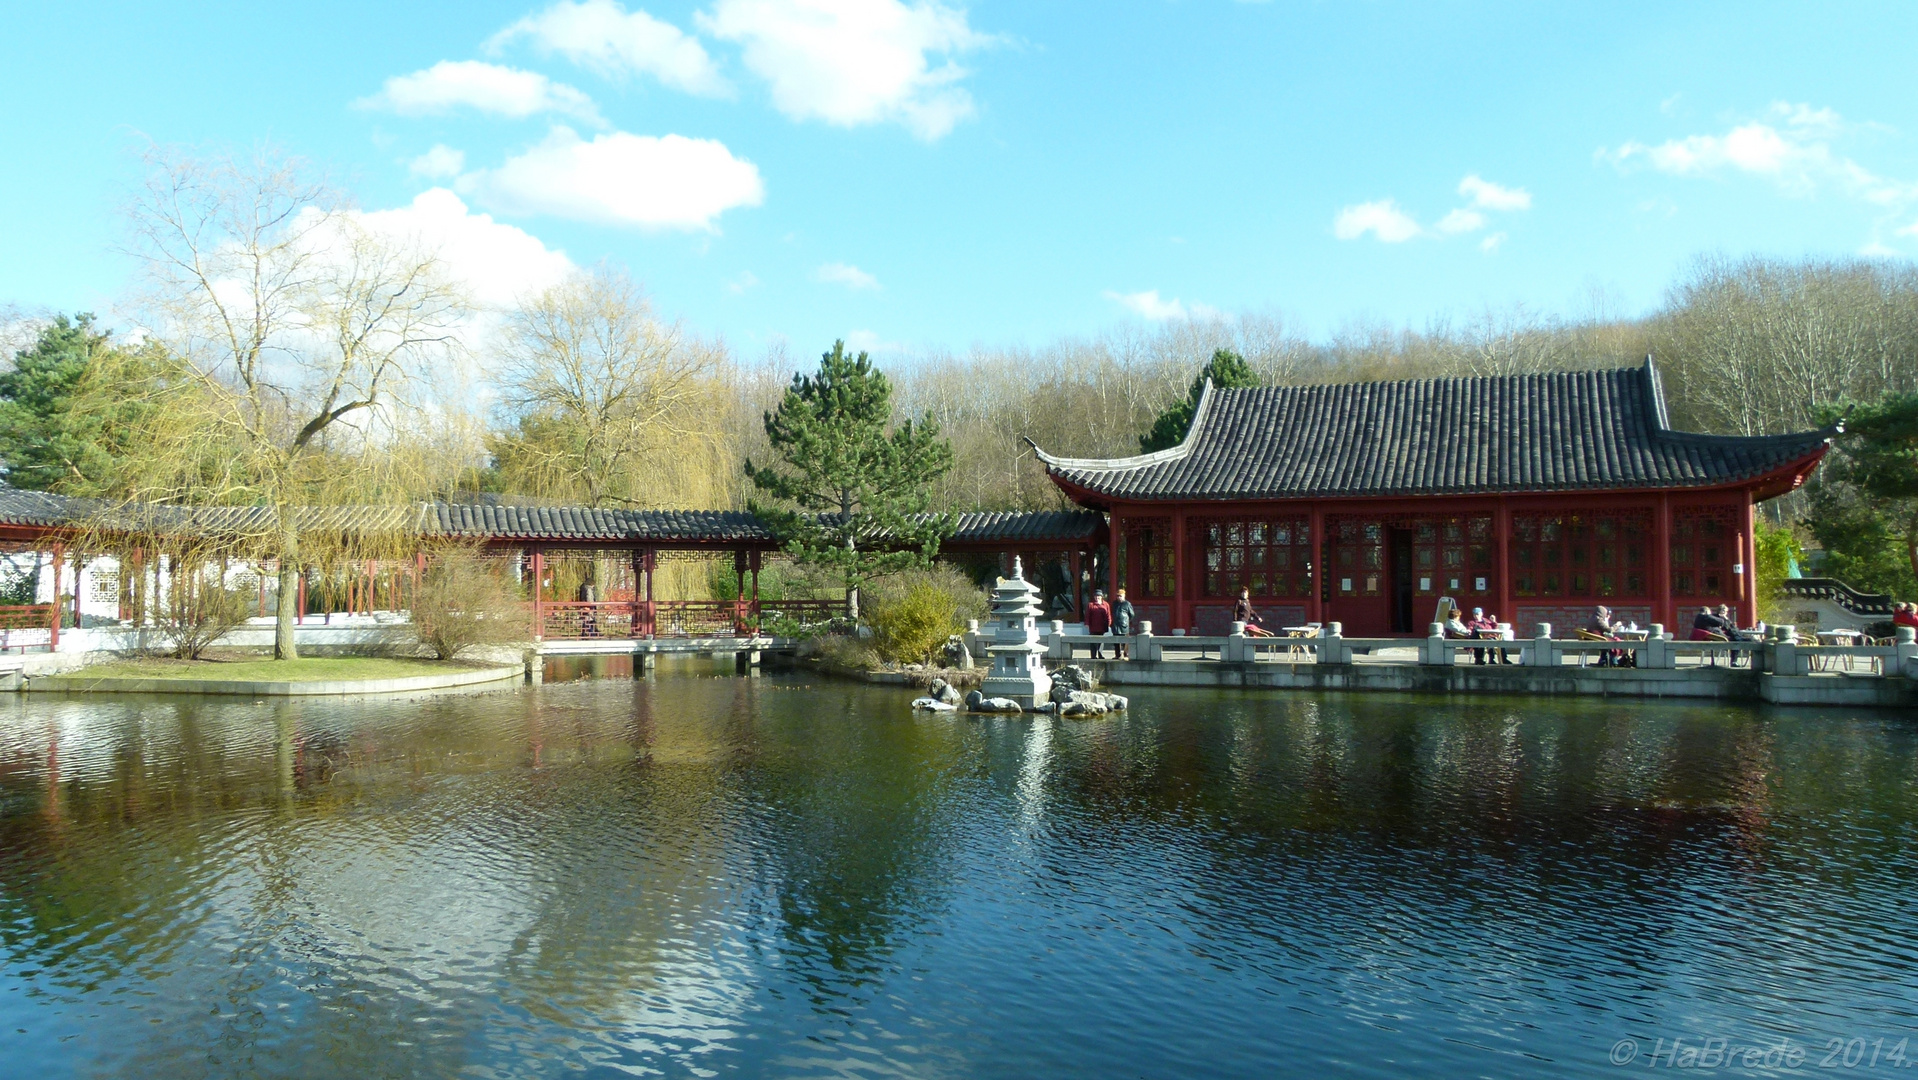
(1904, 615)
(1707, 626)
(1242, 613)
(1483, 626)
(1732, 632)
(1603, 626)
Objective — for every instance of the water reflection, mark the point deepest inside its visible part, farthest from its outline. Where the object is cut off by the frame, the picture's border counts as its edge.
(690, 872)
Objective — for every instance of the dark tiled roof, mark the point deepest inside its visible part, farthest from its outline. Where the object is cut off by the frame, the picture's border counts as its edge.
(1516, 433)
(487, 521)
(19, 507)
(1012, 525)
(590, 524)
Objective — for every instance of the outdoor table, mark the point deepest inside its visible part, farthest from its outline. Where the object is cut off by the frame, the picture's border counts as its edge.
(1299, 632)
(1837, 638)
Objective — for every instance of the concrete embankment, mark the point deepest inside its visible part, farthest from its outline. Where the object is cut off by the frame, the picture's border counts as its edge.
(1719, 683)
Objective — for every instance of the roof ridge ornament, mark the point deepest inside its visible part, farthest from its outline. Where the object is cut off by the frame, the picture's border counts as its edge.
(1138, 461)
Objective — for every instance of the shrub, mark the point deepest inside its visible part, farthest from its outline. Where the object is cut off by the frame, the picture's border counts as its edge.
(913, 613)
(199, 610)
(465, 601)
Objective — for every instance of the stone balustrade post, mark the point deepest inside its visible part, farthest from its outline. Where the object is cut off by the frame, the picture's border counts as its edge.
(1332, 648)
(1143, 645)
(1904, 658)
(1657, 652)
(1057, 647)
(1435, 653)
(1543, 655)
(1239, 648)
(1785, 657)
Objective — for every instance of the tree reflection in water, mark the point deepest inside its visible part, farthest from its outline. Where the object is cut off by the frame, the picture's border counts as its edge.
(684, 872)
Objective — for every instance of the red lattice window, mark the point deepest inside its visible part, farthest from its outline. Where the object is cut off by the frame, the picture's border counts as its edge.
(1356, 552)
(1270, 556)
(1451, 555)
(1148, 569)
(1705, 542)
(1583, 555)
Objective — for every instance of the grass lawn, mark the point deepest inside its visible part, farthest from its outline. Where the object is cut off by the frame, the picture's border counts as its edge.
(256, 669)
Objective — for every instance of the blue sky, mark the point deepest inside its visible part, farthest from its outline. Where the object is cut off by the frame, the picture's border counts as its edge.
(927, 176)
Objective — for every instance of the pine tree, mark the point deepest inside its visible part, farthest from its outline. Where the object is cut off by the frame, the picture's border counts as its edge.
(61, 429)
(849, 481)
(1865, 507)
(1227, 370)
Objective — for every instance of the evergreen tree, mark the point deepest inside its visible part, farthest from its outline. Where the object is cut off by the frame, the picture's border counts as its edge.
(849, 481)
(1227, 370)
(54, 433)
(1865, 508)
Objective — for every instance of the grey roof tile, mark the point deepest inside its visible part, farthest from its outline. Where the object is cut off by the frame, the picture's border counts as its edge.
(1550, 432)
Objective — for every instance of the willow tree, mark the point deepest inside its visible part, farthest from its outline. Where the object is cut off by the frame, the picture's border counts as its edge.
(301, 347)
(856, 487)
(605, 403)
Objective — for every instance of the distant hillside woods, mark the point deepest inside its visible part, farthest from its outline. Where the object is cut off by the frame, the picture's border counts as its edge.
(597, 399)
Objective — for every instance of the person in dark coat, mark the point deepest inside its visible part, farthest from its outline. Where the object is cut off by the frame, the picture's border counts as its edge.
(1098, 620)
(1124, 622)
(1242, 613)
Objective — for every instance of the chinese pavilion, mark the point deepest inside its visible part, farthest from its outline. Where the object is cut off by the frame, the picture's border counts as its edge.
(1533, 496)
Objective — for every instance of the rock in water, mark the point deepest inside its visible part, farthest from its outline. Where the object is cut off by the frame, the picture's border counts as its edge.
(933, 705)
(974, 700)
(941, 690)
(1073, 677)
(992, 704)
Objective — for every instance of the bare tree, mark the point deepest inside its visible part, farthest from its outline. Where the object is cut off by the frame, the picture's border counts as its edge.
(300, 340)
(600, 396)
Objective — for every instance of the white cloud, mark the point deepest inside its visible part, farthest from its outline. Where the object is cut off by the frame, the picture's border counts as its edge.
(438, 163)
(489, 88)
(1490, 196)
(844, 274)
(604, 37)
(852, 62)
(654, 182)
(746, 280)
(498, 263)
(1461, 221)
(1382, 219)
(1151, 306)
(1492, 242)
(1791, 147)
(867, 341)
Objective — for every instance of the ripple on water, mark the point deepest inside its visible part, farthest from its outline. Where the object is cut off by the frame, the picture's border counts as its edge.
(717, 876)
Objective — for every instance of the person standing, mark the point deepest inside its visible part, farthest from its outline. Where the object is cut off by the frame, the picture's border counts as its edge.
(1098, 620)
(1124, 623)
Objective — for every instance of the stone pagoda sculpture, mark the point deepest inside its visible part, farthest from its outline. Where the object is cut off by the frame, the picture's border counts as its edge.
(1018, 656)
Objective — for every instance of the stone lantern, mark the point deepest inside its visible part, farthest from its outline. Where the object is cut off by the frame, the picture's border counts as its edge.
(1018, 656)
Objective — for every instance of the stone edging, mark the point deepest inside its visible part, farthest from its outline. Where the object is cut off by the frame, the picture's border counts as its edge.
(79, 683)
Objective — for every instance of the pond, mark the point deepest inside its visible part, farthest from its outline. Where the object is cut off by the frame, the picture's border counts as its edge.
(692, 874)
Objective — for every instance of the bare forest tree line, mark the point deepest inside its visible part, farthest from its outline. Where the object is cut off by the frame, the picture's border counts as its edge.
(1745, 347)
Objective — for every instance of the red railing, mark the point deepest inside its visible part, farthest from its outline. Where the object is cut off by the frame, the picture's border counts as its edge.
(27, 626)
(579, 620)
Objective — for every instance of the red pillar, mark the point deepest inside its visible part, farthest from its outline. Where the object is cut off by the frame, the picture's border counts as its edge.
(652, 608)
(539, 591)
(1181, 591)
(1663, 610)
(1078, 586)
(59, 556)
(1115, 548)
(1748, 559)
(1315, 602)
(1502, 564)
